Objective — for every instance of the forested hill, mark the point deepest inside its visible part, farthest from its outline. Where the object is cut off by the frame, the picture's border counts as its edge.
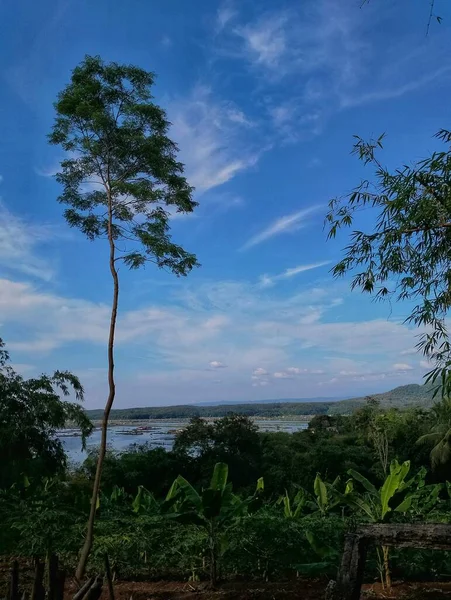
(400, 397)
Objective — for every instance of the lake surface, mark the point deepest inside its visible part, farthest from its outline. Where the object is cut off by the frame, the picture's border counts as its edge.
(161, 434)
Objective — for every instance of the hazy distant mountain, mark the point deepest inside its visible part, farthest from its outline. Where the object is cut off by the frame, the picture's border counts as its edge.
(401, 397)
(273, 401)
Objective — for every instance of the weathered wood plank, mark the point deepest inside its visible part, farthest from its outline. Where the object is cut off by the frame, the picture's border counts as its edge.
(350, 575)
(422, 535)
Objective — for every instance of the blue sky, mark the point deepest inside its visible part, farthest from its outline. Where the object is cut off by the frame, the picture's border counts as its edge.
(264, 99)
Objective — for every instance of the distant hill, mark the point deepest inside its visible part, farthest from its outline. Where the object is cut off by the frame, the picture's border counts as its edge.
(273, 401)
(401, 397)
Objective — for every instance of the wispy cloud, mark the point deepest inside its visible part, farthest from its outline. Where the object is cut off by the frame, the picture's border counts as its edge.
(211, 140)
(225, 14)
(267, 280)
(285, 224)
(265, 41)
(19, 240)
(331, 56)
(348, 101)
(401, 367)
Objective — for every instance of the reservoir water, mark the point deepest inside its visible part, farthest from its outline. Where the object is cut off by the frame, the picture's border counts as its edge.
(157, 433)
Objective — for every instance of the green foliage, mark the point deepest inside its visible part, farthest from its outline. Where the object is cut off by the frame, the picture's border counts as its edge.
(234, 440)
(122, 176)
(31, 411)
(374, 503)
(216, 509)
(439, 436)
(406, 255)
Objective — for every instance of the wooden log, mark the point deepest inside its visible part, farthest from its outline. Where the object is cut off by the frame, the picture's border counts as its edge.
(108, 577)
(435, 536)
(95, 590)
(38, 591)
(84, 588)
(350, 574)
(52, 577)
(14, 581)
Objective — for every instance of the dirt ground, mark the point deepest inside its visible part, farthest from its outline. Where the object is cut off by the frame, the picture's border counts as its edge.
(299, 589)
(252, 590)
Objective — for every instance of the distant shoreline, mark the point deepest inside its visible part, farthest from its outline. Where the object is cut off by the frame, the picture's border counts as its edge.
(401, 397)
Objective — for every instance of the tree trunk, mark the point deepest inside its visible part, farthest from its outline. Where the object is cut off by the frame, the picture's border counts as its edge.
(213, 566)
(387, 574)
(86, 549)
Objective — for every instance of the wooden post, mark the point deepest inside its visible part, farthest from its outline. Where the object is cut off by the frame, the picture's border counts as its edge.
(350, 575)
(108, 577)
(53, 577)
(38, 591)
(61, 580)
(14, 581)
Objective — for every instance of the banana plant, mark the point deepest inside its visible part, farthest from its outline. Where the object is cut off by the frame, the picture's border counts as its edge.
(377, 504)
(326, 497)
(292, 509)
(144, 502)
(216, 509)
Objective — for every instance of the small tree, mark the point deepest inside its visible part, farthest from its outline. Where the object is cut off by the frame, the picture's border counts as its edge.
(216, 509)
(119, 181)
(406, 256)
(31, 411)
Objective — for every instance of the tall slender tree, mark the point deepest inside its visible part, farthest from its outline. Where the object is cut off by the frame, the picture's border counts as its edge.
(120, 179)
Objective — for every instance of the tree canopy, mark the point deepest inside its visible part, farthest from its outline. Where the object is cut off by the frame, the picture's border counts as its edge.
(120, 160)
(31, 411)
(406, 255)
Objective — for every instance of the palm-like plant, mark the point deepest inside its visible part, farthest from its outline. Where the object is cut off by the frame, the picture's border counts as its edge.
(439, 436)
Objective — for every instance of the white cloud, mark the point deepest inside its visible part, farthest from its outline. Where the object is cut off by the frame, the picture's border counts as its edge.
(265, 41)
(54, 321)
(252, 332)
(285, 224)
(293, 370)
(402, 367)
(409, 351)
(19, 240)
(216, 364)
(210, 137)
(259, 372)
(266, 280)
(226, 13)
(425, 364)
(332, 57)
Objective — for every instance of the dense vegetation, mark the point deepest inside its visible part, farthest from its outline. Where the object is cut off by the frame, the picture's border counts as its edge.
(230, 500)
(401, 397)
